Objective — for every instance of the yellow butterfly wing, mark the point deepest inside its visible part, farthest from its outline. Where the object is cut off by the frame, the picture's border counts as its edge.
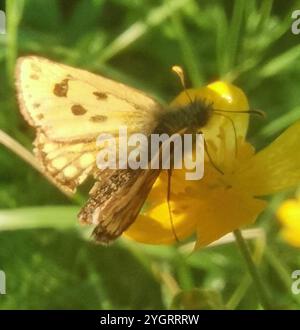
(70, 107)
(69, 164)
(73, 104)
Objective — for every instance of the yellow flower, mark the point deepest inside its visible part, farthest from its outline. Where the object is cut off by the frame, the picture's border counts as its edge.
(289, 216)
(220, 203)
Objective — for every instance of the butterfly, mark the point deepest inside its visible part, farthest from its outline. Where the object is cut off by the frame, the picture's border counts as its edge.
(69, 108)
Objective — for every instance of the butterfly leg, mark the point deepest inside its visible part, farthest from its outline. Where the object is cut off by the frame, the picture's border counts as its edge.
(169, 205)
(209, 156)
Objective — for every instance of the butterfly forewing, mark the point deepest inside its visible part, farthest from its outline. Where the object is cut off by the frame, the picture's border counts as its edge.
(69, 108)
(72, 104)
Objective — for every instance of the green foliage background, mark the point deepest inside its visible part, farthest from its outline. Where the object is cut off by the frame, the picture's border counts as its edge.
(49, 260)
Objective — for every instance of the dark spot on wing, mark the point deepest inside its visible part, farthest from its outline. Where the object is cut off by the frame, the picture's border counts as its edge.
(34, 76)
(61, 89)
(36, 105)
(98, 119)
(40, 116)
(78, 110)
(100, 95)
(35, 68)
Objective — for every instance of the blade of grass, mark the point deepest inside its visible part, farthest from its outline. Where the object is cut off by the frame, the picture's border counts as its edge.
(279, 124)
(137, 30)
(264, 13)
(234, 34)
(260, 288)
(221, 24)
(28, 157)
(239, 293)
(283, 272)
(184, 274)
(256, 59)
(191, 63)
(279, 63)
(14, 10)
(58, 217)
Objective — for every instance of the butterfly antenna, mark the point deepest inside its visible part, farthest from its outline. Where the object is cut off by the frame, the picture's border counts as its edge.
(179, 71)
(220, 112)
(257, 112)
(169, 205)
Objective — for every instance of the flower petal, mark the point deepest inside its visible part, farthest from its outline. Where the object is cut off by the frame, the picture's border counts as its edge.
(153, 225)
(289, 216)
(275, 168)
(206, 207)
(224, 96)
(225, 211)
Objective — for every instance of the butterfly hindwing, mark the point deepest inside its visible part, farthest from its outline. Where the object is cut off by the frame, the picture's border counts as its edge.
(69, 164)
(115, 201)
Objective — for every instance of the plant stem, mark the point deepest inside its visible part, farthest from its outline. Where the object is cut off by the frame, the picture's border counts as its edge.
(260, 289)
(282, 270)
(28, 157)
